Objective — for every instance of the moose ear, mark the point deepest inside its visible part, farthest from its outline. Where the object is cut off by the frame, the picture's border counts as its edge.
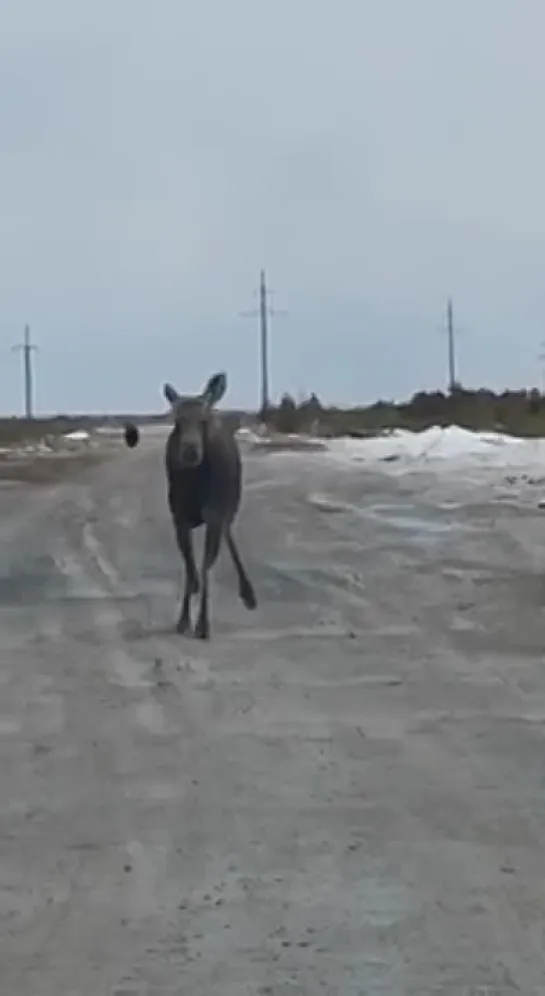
(215, 389)
(170, 394)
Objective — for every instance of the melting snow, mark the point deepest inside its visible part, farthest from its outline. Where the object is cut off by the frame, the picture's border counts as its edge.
(437, 444)
(78, 435)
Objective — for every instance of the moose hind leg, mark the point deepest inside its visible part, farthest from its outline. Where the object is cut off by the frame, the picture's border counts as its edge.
(191, 587)
(212, 543)
(245, 586)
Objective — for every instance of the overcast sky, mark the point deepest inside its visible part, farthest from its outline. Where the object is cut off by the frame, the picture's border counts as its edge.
(374, 156)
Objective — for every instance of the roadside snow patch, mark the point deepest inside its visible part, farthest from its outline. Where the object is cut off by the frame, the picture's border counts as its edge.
(246, 434)
(435, 443)
(519, 463)
(78, 435)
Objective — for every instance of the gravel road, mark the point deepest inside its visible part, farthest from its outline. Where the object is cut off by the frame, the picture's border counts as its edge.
(343, 793)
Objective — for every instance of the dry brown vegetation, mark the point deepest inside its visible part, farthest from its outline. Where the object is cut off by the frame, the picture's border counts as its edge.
(17, 465)
(50, 469)
(18, 431)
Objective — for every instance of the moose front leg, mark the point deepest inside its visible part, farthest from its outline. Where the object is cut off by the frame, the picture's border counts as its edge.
(183, 536)
(212, 542)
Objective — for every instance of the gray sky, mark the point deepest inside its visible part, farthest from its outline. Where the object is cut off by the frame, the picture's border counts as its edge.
(373, 155)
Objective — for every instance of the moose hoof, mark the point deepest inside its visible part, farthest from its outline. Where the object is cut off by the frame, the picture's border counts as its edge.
(183, 624)
(247, 595)
(202, 630)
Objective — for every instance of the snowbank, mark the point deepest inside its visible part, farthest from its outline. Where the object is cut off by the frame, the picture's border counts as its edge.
(451, 444)
(278, 442)
(247, 435)
(77, 436)
(435, 443)
(475, 456)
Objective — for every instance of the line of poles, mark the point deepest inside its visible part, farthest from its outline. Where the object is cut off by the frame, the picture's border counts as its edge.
(27, 348)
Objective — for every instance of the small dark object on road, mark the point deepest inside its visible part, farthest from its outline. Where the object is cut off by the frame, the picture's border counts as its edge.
(132, 435)
(204, 478)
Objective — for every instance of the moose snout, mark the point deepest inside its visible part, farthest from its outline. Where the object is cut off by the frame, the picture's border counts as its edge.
(190, 455)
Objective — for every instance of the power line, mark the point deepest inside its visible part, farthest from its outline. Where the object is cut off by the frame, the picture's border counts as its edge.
(26, 347)
(264, 312)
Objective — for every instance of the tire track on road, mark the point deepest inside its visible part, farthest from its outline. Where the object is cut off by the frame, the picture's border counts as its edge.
(75, 644)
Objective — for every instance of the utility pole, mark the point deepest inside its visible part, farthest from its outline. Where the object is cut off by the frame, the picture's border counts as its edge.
(27, 348)
(264, 313)
(264, 350)
(541, 357)
(451, 350)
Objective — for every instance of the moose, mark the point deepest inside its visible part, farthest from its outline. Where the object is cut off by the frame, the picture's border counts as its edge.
(204, 481)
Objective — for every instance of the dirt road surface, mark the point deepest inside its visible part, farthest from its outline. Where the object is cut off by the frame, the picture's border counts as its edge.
(342, 793)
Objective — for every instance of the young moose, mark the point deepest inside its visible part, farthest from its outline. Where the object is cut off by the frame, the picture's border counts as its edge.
(204, 479)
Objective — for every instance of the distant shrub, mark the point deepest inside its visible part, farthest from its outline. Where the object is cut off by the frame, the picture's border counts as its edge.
(520, 412)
